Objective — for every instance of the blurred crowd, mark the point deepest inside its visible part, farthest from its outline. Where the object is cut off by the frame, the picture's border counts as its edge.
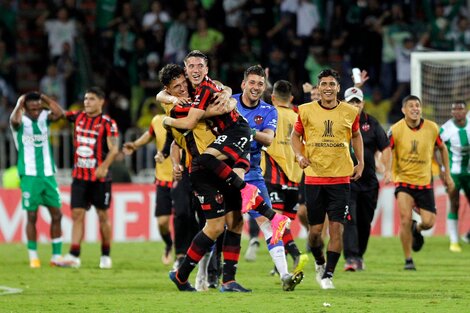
(125, 43)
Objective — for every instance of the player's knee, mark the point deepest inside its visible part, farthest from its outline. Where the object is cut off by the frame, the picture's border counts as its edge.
(56, 217)
(32, 217)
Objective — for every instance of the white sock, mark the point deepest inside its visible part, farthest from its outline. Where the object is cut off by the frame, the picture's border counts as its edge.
(204, 264)
(278, 255)
(266, 229)
(452, 227)
(33, 254)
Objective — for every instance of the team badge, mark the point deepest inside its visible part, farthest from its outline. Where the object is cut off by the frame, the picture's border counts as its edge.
(219, 198)
(258, 119)
(365, 127)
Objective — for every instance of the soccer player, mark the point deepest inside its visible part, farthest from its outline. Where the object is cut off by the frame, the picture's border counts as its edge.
(168, 196)
(281, 173)
(321, 140)
(365, 190)
(220, 207)
(231, 145)
(262, 118)
(96, 145)
(413, 140)
(455, 134)
(29, 124)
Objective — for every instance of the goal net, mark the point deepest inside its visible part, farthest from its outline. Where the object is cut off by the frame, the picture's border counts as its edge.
(439, 79)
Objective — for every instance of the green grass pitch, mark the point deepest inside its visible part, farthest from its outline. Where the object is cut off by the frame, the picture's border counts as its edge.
(139, 282)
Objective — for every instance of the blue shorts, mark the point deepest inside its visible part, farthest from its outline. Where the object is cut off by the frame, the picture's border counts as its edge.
(261, 184)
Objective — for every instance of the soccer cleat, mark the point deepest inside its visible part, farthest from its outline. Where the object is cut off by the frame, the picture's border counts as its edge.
(319, 271)
(350, 265)
(71, 261)
(181, 286)
(360, 265)
(327, 283)
(252, 251)
(279, 223)
(455, 247)
(249, 194)
(299, 263)
(233, 286)
(289, 281)
(409, 265)
(56, 260)
(418, 239)
(166, 257)
(34, 263)
(466, 238)
(106, 262)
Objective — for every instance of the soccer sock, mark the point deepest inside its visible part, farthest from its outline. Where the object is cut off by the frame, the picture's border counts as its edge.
(331, 261)
(262, 208)
(32, 249)
(289, 244)
(253, 227)
(105, 249)
(75, 250)
(222, 170)
(452, 226)
(167, 240)
(231, 252)
(200, 245)
(278, 255)
(57, 246)
(317, 253)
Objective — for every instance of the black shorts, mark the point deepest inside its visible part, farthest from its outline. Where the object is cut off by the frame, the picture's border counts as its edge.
(424, 198)
(163, 202)
(284, 199)
(235, 144)
(86, 193)
(327, 199)
(215, 197)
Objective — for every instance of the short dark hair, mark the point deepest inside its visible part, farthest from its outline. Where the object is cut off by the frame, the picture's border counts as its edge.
(170, 72)
(196, 54)
(255, 70)
(32, 96)
(328, 72)
(282, 89)
(409, 98)
(462, 102)
(97, 91)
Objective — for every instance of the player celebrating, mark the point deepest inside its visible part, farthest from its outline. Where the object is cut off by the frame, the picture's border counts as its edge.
(321, 140)
(29, 124)
(413, 140)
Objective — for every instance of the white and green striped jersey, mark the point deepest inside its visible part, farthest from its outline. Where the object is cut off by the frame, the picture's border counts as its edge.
(457, 141)
(34, 149)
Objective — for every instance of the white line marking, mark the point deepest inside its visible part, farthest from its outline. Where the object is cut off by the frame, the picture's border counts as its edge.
(4, 290)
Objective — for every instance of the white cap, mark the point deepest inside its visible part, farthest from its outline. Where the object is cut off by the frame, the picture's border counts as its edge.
(353, 92)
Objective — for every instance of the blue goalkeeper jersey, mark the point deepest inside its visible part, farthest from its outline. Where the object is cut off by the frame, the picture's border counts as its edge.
(261, 117)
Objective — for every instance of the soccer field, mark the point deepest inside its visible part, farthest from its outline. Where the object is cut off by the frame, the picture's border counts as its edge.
(139, 282)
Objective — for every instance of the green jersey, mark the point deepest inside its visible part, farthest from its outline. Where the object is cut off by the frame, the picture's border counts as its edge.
(34, 148)
(456, 139)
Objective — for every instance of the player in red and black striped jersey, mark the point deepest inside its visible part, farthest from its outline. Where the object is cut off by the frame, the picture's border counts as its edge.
(96, 146)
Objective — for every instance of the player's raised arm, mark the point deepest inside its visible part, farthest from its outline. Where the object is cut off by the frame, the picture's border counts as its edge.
(56, 110)
(17, 114)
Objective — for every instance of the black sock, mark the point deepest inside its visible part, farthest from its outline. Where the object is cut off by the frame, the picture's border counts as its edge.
(263, 208)
(200, 245)
(317, 253)
(289, 244)
(167, 240)
(105, 249)
(331, 261)
(231, 253)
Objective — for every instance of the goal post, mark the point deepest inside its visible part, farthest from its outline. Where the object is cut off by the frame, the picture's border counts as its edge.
(439, 79)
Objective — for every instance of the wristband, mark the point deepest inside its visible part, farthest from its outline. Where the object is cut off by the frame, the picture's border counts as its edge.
(253, 132)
